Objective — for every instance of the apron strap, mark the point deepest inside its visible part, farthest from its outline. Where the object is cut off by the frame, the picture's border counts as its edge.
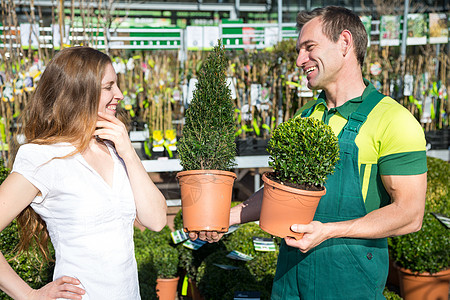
(307, 109)
(357, 118)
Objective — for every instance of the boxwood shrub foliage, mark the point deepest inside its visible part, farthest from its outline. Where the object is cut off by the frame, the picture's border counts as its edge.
(29, 266)
(303, 151)
(390, 295)
(428, 250)
(165, 258)
(207, 141)
(263, 265)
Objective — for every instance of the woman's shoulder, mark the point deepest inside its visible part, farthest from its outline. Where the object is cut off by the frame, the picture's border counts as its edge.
(32, 150)
(46, 147)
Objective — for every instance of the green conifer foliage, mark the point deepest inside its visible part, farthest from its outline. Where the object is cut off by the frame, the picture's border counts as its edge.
(207, 141)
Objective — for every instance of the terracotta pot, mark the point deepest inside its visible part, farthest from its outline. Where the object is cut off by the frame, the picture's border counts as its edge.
(206, 199)
(166, 289)
(424, 286)
(283, 206)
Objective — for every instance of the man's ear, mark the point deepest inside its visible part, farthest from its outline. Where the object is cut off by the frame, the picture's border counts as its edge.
(346, 42)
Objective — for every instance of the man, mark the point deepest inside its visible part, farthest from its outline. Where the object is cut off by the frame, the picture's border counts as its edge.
(378, 188)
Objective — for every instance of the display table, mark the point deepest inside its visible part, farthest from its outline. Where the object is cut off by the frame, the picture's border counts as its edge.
(242, 162)
(173, 165)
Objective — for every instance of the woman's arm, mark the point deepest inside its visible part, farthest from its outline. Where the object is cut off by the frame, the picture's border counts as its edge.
(151, 205)
(16, 193)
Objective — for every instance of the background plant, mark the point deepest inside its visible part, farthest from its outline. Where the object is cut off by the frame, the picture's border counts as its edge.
(303, 151)
(165, 259)
(253, 275)
(390, 295)
(428, 250)
(263, 265)
(215, 282)
(190, 260)
(207, 141)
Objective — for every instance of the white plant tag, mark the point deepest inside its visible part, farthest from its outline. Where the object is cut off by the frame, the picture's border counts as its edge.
(194, 245)
(179, 236)
(263, 244)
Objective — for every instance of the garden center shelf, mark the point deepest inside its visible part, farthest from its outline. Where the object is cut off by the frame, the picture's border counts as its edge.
(243, 164)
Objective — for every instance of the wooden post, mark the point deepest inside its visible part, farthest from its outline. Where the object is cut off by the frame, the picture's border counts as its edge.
(61, 22)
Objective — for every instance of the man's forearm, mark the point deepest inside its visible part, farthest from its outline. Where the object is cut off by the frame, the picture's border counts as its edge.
(391, 220)
(404, 215)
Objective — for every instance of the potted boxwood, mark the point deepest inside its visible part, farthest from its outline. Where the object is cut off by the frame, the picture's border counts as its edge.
(207, 149)
(303, 152)
(157, 261)
(165, 260)
(423, 257)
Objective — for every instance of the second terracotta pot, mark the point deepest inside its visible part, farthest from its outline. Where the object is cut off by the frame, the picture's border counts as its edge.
(206, 199)
(166, 289)
(283, 206)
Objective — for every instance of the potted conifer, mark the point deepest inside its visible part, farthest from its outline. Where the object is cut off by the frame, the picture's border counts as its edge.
(207, 149)
(423, 258)
(303, 152)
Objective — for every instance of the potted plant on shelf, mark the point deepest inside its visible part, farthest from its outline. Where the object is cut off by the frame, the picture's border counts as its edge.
(303, 152)
(207, 149)
(423, 258)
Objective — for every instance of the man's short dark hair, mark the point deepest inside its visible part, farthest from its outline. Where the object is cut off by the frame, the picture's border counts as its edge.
(336, 19)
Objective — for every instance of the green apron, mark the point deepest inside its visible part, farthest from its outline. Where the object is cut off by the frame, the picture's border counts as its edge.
(340, 268)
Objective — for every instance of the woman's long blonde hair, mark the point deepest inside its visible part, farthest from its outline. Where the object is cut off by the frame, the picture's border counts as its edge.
(63, 108)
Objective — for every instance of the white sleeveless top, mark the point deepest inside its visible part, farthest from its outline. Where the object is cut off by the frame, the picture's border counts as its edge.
(90, 223)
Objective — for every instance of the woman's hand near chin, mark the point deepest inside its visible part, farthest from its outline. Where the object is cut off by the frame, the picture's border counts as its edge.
(112, 129)
(151, 207)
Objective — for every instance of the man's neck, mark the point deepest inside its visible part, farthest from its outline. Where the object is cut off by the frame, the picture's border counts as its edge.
(344, 90)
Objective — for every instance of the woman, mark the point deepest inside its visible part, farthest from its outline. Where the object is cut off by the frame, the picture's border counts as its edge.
(79, 172)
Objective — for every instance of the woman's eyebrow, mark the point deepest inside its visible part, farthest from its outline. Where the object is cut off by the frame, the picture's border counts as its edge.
(109, 82)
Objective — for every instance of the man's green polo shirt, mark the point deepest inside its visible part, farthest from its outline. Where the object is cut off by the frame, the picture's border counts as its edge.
(390, 142)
